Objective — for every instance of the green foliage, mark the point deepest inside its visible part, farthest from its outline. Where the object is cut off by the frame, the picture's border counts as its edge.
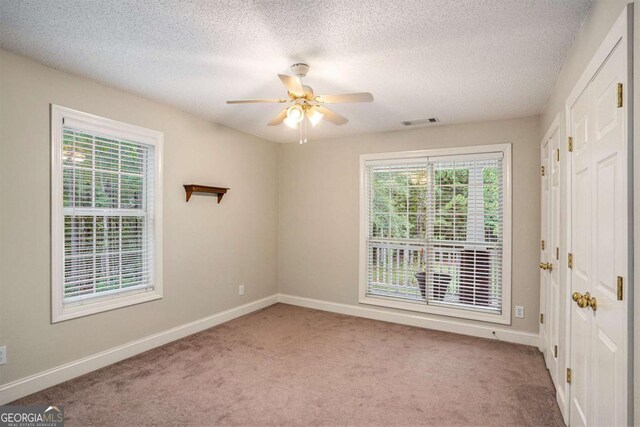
(399, 204)
(400, 198)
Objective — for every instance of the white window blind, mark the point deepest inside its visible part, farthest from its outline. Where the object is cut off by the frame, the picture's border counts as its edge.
(435, 231)
(397, 228)
(464, 262)
(108, 211)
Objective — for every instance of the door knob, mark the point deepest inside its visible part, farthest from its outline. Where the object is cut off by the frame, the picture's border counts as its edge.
(593, 303)
(546, 266)
(581, 300)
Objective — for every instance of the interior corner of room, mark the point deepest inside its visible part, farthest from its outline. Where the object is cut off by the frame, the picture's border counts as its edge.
(492, 223)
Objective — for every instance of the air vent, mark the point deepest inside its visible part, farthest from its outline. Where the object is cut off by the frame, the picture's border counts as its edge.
(419, 122)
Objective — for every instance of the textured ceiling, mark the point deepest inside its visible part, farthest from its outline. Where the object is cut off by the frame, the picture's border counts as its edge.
(462, 61)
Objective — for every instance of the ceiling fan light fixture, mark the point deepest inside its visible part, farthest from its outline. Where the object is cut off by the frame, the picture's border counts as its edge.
(295, 113)
(291, 123)
(314, 116)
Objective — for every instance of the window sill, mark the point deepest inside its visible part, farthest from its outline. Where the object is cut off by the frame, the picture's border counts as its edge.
(418, 306)
(75, 310)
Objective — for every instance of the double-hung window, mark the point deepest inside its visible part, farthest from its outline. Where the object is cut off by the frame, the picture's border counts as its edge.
(106, 190)
(436, 231)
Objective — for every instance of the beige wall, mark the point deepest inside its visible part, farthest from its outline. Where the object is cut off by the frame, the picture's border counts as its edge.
(601, 17)
(209, 249)
(319, 208)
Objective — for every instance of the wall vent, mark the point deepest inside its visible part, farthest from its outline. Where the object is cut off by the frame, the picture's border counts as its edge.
(419, 122)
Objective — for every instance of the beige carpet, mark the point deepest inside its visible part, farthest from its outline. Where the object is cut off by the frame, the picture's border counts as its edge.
(287, 365)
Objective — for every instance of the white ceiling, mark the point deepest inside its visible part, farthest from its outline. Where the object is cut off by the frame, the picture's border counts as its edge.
(462, 61)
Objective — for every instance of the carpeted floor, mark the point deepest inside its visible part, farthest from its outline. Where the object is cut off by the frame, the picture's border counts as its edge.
(288, 365)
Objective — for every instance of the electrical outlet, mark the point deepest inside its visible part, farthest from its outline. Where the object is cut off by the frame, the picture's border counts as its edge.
(519, 311)
(3, 355)
(241, 290)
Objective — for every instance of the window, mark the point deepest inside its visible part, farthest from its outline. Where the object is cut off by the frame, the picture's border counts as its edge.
(436, 231)
(106, 215)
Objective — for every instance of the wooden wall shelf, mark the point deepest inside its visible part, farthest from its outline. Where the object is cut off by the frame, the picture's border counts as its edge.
(195, 188)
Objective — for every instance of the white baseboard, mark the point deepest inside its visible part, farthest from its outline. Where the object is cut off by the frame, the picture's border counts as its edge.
(31, 384)
(34, 383)
(439, 324)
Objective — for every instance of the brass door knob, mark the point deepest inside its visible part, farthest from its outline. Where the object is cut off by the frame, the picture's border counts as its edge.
(593, 303)
(546, 266)
(581, 300)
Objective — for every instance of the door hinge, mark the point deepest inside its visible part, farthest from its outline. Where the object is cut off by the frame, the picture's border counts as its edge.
(557, 154)
(570, 260)
(555, 351)
(570, 144)
(619, 293)
(619, 95)
(569, 375)
(542, 244)
(541, 318)
(557, 253)
(542, 170)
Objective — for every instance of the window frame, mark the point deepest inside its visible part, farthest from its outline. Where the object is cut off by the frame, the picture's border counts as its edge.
(419, 306)
(59, 310)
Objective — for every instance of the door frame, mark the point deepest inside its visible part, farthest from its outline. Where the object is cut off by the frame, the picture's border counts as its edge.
(621, 31)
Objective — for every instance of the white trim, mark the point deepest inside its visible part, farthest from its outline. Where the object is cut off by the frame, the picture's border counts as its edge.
(429, 155)
(435, 152)
(33, 383)
(59, 115)
(413, 319)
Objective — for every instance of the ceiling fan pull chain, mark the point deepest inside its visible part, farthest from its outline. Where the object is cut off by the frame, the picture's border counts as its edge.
(305, 130)
(300, 131)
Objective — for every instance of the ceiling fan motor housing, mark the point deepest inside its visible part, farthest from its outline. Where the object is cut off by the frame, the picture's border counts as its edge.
(300, 69)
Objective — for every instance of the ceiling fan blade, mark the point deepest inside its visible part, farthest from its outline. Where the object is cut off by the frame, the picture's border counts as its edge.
(279, 118)
(346, 97)
(332, 116)
(293, 84)
(254, 101)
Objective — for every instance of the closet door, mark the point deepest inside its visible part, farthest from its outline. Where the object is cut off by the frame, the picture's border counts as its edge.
(553, 256)
(600, 235)
(545, 217)
(610, 249)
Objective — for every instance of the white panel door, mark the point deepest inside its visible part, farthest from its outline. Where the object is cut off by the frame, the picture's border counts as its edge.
(553, 255)
(544, 251)
(600, 246)
(581, 195)
(610, 250)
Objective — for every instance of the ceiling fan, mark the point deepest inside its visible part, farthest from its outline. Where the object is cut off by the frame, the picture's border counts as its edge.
(305, 103)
